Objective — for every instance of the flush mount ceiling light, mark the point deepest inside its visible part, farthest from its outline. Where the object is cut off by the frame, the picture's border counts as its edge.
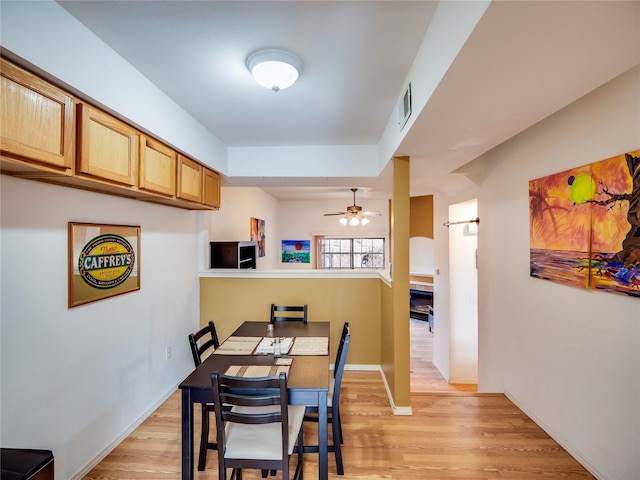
(274, 69)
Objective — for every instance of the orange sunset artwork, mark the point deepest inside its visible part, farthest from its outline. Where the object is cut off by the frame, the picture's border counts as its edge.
(585, 225)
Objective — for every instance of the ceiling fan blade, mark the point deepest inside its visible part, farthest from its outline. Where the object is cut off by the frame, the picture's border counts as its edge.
(371, 214)
(338, 213)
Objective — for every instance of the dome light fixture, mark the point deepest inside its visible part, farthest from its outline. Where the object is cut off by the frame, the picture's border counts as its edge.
(354, 220)
(274, 69)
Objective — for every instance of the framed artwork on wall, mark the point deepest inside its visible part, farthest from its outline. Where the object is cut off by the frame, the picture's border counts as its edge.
(103, 261)
(257, 232)
(296, 251)
(585, 225)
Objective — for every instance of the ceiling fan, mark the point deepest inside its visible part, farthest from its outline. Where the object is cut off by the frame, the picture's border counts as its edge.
(354, 214)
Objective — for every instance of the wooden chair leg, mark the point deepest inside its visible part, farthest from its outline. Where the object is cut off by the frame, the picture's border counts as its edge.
(204, 439)
(336, 431)
(340, 427)
(298, 474)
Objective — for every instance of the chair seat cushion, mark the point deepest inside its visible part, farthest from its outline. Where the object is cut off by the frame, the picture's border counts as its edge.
(261, 441)
(332, 384)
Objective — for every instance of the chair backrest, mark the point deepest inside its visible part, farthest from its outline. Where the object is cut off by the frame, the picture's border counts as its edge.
(203, 340)
(341, 361)
(345, 332)
(284, 313)
(246, 393)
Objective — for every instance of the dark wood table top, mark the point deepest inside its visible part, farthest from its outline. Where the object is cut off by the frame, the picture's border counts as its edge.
(308, 372)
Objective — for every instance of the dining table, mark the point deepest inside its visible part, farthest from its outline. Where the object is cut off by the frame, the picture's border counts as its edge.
(307, 380)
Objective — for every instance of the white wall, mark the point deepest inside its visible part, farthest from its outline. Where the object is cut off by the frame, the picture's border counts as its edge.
(450, 27)
(232, 221)
(287, 220)
(442, 277)
(569, 357)
(302, 220)
(77, 380)
(421, 256)
(463, 303)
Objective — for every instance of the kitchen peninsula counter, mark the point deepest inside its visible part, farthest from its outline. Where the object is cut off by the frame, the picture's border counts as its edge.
(230, 297)
(290, 273)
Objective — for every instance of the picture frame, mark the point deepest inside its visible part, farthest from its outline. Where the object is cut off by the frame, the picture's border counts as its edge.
(257, 234)
(104, 261)
(583, 226)
(296, 251)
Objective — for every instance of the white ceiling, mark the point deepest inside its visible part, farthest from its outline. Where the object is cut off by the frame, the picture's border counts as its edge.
(524, 61)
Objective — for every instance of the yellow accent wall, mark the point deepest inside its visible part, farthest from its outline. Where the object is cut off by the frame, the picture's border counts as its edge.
(395, 319)
(231, 301)
(421, 220)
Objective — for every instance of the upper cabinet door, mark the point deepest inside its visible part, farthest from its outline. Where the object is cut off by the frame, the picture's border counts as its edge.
(189, 179)
(36, 119)
(107, 147)
(157, 167)
(211, 189)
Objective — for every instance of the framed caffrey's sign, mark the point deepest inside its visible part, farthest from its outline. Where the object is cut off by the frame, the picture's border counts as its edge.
(103, 261)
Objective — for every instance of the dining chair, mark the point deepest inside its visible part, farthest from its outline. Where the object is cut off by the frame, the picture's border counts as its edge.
(333, 402)
(284, 313)
(203, 341)
(260, 429)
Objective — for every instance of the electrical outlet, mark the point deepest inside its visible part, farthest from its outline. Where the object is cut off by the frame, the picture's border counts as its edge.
(167, 353)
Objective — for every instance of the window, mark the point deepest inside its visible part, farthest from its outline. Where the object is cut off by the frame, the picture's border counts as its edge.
(351, 253)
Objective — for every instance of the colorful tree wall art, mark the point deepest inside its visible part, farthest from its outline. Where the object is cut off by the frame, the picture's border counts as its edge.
(585, 225)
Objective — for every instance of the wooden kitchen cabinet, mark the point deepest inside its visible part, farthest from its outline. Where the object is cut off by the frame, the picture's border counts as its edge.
(189, 185)
(36, 123)
(157, 168)
(46, 134)
(107, 147)
(211, 188)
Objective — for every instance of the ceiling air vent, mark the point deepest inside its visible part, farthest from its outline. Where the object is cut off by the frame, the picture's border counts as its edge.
(405, 107)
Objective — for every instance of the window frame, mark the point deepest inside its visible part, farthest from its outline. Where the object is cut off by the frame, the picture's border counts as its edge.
(351, 252)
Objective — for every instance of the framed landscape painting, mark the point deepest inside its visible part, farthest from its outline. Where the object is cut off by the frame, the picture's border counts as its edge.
(615, 232)
(296, 251)
(585, 225)
(559, 229)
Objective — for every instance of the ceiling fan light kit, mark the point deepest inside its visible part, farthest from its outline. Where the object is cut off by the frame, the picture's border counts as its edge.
(354, 215)
(274, 69)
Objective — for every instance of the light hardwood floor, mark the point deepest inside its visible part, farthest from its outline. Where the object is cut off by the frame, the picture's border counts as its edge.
(425, 377)
(461, 436)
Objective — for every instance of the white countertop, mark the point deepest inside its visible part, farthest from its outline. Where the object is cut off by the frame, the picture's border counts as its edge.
(286, 273)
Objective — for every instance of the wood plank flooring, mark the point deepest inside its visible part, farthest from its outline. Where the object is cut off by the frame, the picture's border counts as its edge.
(425, 377)
(461, 436)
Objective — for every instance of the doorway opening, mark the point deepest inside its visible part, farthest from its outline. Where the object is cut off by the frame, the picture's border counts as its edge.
(451, 339)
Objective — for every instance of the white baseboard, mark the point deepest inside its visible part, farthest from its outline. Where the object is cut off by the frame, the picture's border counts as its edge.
(377, 368)
(395, 409)
(109, 448)
(575, 453)
(364, 368)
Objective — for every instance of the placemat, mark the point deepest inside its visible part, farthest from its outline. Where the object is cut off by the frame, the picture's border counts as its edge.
(265, 346)
(238, 346)
(257, 370)
(310, 346)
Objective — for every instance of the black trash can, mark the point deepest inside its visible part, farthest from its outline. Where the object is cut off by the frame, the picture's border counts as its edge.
(26, 464)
